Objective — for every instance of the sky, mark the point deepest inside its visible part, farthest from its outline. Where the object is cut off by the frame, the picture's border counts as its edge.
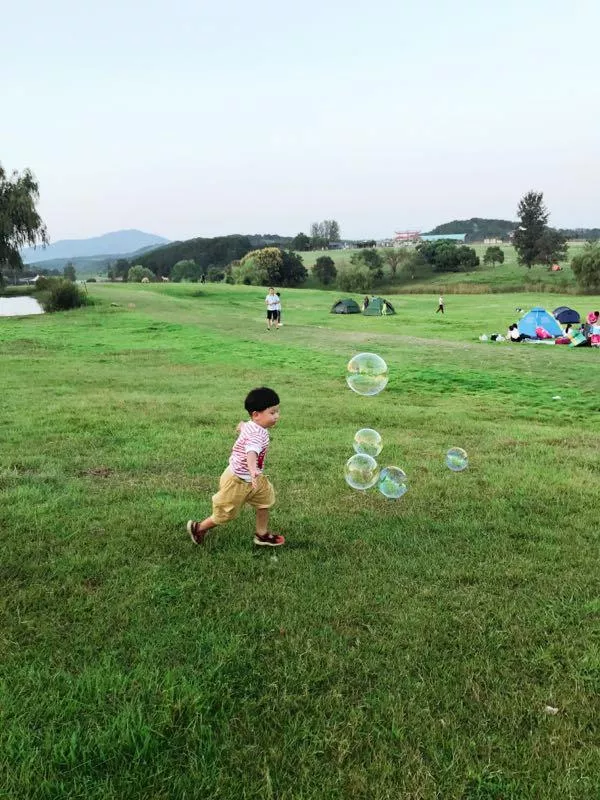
(187, 118)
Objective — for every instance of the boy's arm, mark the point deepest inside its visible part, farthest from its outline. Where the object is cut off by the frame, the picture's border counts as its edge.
(252, 461)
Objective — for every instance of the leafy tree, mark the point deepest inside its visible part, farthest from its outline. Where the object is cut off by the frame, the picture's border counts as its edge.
(215, 274)
(300, 242)
(468, 259)
(119, 270)
(394, 257)
(69, 272)
(586, 267)
(533, 216)
(552, 247)
(137, 272)
(323, 233)
(416, 266)
(271, 266)
(324, 270)
(293, 271)
(318, 240)
(20, 223)
(493, 255)
(186, 270)
(371, 259)
(250, 272)
(332, 230)
(445, 256)
(355, 278)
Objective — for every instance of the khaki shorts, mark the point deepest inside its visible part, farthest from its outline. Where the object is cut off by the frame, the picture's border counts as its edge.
(234, 493)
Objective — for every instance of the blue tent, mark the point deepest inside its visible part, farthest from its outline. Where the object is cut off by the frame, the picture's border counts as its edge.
(539, 318)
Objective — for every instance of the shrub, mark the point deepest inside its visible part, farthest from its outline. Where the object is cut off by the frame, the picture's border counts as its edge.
(186, 270)
(137, 272)
(355, 278)
(586, 267)
(271, 266)
(215, 274)
(63, 296)
(324, 270)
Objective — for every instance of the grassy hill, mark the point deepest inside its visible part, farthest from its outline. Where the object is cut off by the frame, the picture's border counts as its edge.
(507, 277)
(405, 649)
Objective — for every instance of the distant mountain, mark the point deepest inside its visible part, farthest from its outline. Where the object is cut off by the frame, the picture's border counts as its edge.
(477, 228)
(117, 243)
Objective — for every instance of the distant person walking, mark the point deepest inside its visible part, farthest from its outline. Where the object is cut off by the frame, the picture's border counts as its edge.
(278, 309)
(271, 301)
(440, 305)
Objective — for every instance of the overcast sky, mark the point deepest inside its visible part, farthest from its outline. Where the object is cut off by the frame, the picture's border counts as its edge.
(188, 118)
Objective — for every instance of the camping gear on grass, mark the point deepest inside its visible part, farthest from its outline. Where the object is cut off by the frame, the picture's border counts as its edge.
(345, 306)
(378, 307)
(564, 314)
(578, 339)
(539, 318)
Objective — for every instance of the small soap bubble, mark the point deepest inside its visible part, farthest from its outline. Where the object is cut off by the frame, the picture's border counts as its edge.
(392, 482)
(367, 374)
(361, 471)
(368, 441)
(457, 459)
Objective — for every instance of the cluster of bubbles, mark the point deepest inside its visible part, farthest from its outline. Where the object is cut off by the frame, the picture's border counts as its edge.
(367, 376)
(362, 471)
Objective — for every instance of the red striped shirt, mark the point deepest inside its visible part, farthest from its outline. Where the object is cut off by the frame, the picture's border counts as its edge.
(253, 439)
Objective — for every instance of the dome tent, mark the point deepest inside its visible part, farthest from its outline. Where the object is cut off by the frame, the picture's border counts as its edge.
(538, 318)
(378, 307)
(345, 306)
(564, 314)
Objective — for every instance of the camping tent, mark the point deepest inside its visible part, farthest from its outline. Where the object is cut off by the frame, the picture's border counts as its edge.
(564, 314)
(346, 306)
(539, 318)
(378, 307)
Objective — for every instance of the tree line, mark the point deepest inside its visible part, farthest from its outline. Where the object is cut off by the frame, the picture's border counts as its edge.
(235, 259)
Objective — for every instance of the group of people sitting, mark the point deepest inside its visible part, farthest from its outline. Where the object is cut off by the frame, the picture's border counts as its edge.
(587, 334)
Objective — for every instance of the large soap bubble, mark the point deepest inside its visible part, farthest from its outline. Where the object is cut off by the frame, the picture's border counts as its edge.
(361, 471)
(368, 441)
(457, 459)
(392, 482)
(367, 374)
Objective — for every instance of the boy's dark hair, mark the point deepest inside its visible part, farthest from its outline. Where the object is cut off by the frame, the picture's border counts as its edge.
(261, 398)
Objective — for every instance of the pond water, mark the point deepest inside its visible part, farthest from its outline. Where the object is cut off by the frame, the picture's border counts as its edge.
(19, 306)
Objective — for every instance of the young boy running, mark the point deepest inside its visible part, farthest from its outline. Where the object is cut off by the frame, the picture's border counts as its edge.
(243, 480)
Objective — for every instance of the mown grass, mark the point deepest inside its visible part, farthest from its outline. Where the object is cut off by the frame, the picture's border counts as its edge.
(391, 650)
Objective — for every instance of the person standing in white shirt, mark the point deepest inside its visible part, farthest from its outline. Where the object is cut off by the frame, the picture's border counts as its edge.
(440, 305)
(271, 301)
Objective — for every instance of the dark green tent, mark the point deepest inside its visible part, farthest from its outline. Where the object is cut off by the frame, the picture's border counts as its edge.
(378, 307)
(346, 306)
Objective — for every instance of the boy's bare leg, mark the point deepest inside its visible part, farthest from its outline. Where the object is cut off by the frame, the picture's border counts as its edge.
(207, 524)
(198, 530)
(262, 521)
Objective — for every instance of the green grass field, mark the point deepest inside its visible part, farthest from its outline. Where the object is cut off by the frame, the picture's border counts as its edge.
(393, 649)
